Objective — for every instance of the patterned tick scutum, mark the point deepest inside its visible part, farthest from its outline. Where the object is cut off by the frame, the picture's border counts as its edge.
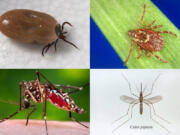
(147, 40)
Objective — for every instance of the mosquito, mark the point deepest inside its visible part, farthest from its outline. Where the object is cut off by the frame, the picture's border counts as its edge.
(39, 92)
(141, 100)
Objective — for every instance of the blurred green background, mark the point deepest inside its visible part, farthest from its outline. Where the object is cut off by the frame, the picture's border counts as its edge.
(9, 91)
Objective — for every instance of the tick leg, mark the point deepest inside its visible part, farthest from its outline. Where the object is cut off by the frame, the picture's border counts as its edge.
(146, 53)
(159, 58)
(139, 52)
(141, 17)
(126, 120)
(55, 44)
(45, 47)
(164, 61)
(70, 43)
(168, 32)
(29, 114)
(130, 52)
(157, 26)
(73, 119)
(151, 24)
(155, 120)
(64, 25)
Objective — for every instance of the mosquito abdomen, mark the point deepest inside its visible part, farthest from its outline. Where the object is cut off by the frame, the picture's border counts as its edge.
(141, 108)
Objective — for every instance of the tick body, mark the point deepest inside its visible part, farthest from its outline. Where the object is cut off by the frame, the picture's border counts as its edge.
(28, 26)
(147, 39)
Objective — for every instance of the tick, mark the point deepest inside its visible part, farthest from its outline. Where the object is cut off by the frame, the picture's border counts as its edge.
(141, 100)
(147, 40)
(28, 26)
(38, 92)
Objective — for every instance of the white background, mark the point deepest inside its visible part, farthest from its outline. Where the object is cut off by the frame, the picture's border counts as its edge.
(18, 55)
(108, 85)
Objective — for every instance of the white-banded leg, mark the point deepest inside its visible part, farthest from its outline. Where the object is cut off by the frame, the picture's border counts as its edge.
(73, 119)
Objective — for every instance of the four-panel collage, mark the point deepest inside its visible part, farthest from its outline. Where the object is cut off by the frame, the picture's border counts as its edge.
(89, 67)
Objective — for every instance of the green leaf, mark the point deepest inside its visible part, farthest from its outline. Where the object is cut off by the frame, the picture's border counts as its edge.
(116, 17)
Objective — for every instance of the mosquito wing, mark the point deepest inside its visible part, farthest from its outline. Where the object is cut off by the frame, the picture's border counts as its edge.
(129, 100)
(153, 99)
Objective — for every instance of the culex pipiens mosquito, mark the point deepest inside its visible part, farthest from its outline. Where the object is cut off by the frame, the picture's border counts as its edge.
(41, 92)
(141, 100)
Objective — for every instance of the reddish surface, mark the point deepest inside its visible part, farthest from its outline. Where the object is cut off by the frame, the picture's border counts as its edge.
(55, 99)
(37, 127)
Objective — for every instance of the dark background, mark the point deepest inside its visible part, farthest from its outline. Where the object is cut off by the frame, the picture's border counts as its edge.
(108, 57)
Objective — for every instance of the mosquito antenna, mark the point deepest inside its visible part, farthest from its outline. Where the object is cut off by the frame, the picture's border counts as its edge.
(137, 88)
(144, 88)
(141, 86)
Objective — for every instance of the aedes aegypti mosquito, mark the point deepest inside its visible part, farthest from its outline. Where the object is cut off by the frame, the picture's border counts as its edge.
(40, 92)
(141, 100)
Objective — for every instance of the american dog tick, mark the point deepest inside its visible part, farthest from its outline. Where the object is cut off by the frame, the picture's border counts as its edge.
(30, 26)
(41, 92)
(147, 39)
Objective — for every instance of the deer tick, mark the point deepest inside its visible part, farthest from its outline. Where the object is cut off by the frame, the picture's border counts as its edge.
(38, 92)
(30, 26)
(147, 40)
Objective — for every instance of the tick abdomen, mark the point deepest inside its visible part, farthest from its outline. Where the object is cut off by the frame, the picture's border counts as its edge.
(28, 26)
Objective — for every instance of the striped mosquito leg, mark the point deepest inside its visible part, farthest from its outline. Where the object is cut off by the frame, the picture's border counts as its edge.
(73, 119)
(29, 114)
(126, 120)
(10, 116)
(155, 120)
(44, 112)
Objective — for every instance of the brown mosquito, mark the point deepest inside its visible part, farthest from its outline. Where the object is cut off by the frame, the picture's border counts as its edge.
(38, 92)
(141, 100)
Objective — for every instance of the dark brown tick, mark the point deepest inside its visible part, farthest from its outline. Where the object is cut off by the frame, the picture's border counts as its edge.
(147, 39)
(30, 26)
